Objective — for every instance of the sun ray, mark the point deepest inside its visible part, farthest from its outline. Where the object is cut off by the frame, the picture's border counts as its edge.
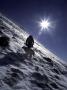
(44, 24)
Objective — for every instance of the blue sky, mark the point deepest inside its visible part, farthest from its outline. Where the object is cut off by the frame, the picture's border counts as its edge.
(26, 13)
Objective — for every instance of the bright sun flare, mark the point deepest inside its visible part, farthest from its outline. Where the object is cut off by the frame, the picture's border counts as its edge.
(44, 24)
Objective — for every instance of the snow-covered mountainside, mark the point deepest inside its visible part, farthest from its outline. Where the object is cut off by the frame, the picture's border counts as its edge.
(22, 68)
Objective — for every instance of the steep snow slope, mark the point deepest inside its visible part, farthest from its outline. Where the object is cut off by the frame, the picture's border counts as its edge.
(28, 69)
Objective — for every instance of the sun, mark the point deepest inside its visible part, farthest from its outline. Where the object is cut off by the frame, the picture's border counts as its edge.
(44, 24)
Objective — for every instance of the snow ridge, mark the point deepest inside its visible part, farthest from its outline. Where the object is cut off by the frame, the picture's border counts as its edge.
(22, 68)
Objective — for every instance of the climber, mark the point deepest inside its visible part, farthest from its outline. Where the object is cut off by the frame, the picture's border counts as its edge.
(29, 41)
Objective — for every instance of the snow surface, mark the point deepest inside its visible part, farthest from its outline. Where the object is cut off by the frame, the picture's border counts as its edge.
(28, 69)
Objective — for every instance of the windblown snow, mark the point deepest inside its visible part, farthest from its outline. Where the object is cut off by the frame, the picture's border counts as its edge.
(28, 69)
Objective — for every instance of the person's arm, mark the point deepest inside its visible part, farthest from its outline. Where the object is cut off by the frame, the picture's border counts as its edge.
(33, 42)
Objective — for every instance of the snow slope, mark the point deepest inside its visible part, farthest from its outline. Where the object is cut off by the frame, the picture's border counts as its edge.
(28, 69)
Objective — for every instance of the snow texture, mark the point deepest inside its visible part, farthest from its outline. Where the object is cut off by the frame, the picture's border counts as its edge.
(22, 68)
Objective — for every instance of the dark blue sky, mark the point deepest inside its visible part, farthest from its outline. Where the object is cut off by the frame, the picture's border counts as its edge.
(27, 12)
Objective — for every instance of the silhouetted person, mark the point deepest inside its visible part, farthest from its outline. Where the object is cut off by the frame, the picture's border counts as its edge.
(30, 42)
